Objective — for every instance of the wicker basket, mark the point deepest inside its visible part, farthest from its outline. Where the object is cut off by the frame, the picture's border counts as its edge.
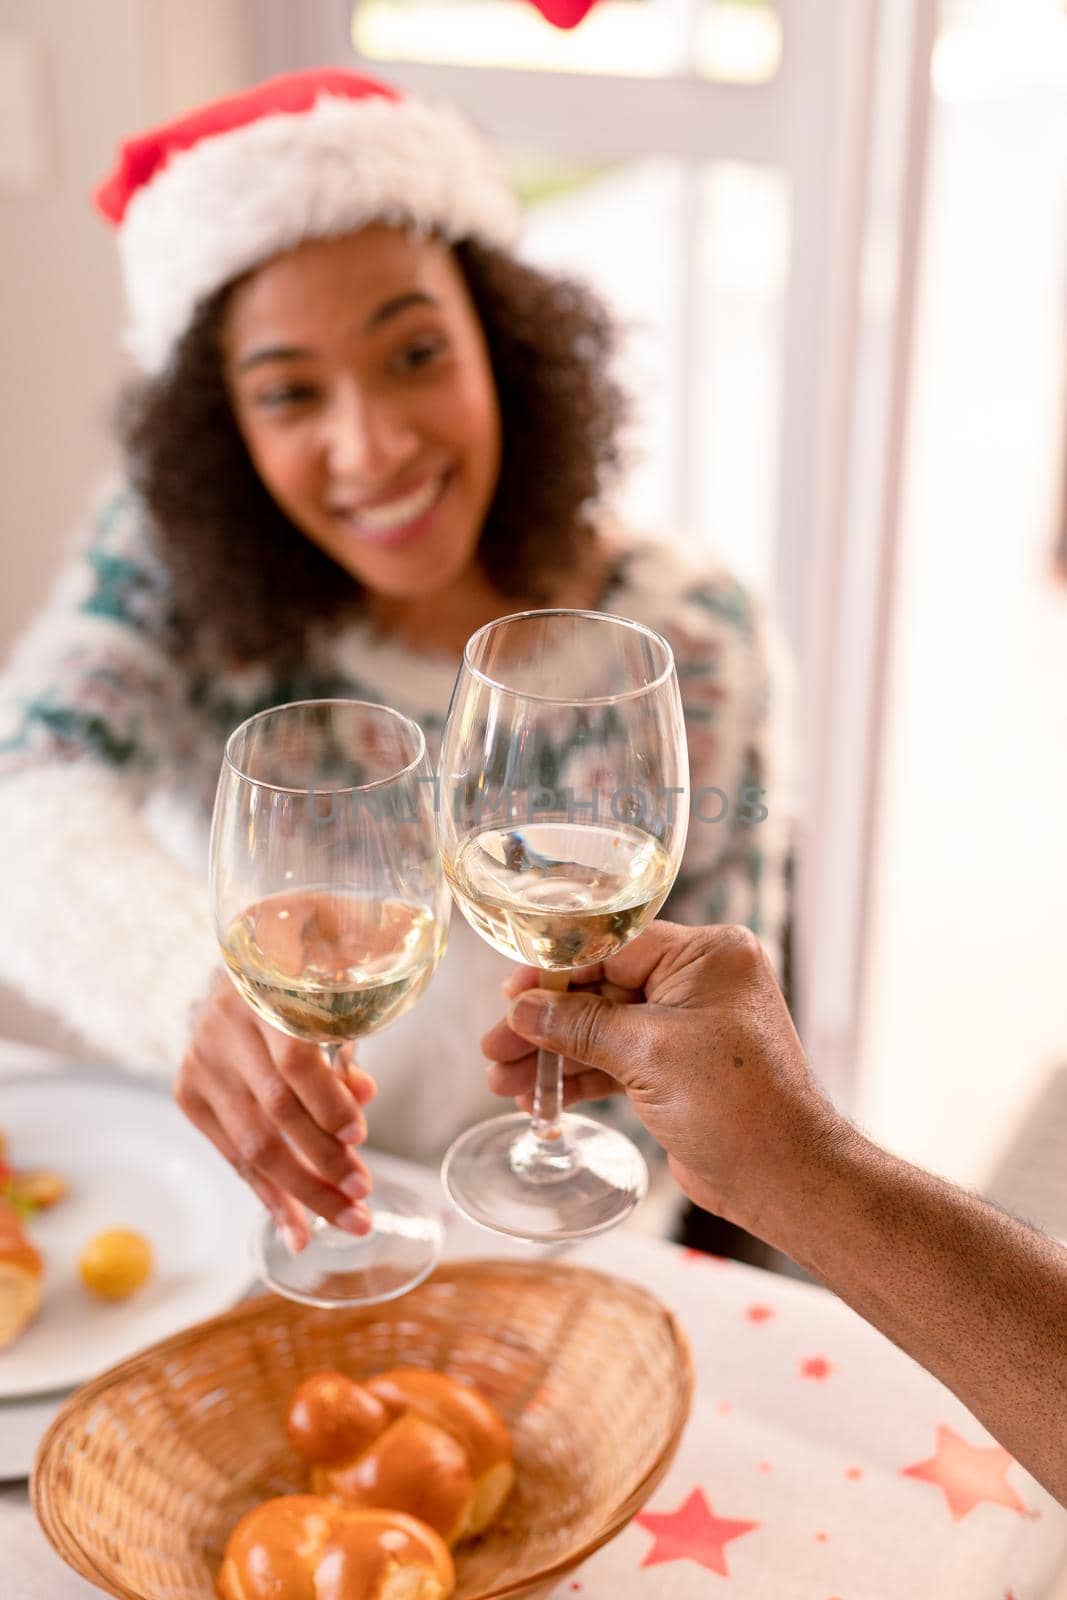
(144, 1472)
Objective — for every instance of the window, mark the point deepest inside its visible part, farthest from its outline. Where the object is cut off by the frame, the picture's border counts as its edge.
(694, 266)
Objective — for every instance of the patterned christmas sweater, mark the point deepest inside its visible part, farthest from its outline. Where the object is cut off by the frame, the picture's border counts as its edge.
(111, 737)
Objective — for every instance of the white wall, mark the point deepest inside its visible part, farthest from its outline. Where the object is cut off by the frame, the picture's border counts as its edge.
(100, 69)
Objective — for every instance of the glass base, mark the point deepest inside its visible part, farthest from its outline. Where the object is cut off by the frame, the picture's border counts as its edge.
(339, 1269)
(505, 1179)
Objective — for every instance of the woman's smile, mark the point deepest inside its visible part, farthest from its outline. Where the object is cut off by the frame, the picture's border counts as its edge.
(394, 519)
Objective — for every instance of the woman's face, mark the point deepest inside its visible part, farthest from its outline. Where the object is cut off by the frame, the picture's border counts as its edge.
(360, 380)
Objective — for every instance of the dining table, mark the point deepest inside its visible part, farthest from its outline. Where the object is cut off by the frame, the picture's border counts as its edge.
(819, 1463)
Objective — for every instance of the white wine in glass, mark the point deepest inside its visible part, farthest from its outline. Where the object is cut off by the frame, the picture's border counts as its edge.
(563, 806)
(557, 895)
(332, 914)
(329, 965)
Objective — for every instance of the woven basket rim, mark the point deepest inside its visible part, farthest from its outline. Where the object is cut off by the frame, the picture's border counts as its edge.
(68, 1546)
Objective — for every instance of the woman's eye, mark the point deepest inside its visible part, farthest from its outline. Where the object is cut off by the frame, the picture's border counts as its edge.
(417, 355)
(290, 394)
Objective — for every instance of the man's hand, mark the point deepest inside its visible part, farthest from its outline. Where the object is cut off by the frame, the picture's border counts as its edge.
(283, 1120)
(690, 1023)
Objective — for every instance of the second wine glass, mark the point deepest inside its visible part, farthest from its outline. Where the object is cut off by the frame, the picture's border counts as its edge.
(563, 807)
(332, 914)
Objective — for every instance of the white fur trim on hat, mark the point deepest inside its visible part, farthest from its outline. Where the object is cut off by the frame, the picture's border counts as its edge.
(238, 198)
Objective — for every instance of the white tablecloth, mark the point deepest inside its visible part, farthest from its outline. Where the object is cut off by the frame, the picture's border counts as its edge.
(820, 1463)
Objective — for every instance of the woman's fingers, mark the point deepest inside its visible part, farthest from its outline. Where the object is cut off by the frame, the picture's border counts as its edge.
(261, 1148)
(361, 1083)
(274, 1108)
(323, 1093)
(285, 1084)
(288, 1216)
(263, 1151)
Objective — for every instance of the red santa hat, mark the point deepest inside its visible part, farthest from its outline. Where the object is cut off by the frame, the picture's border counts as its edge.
(310, 155)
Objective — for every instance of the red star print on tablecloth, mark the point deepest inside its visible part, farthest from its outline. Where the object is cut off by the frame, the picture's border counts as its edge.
(968, 1474)
(815, 1367)
(759, 1313)
(692, 1533)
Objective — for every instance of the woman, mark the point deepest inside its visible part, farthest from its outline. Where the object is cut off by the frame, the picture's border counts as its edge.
(365, 430)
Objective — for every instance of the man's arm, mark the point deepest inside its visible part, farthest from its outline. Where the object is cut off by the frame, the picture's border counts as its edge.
(691, 1024)
(976, 1297)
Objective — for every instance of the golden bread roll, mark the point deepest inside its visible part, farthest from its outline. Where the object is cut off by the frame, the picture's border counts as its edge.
(469, 1417)
(414, 1467)
(332, 1419)
(301, 1547)
(21, 1271)
(440, 1451)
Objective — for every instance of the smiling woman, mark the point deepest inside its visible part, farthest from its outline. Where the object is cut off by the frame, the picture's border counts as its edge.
(365, 428)
(322, 391)
(360, 382)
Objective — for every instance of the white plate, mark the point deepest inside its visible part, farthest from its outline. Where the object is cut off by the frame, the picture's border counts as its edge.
(22, 1427)
(132, 1160)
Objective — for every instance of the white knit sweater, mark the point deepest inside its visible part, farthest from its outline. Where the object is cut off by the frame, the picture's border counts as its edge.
(110, 745)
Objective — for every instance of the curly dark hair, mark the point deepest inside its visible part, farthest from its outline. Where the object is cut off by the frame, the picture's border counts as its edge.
(247, 583)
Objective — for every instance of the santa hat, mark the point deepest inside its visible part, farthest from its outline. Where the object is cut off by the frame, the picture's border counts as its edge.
(311, 155)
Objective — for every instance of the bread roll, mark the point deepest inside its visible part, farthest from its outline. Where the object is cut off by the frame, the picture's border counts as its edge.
(413, 1466)
(301, 1547)
(331, 1419)
(469, 1417)
(21, 1271)
(440, 1452)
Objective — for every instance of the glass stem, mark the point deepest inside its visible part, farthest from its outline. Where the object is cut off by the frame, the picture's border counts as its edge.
(319, 1225)
(548, 1086)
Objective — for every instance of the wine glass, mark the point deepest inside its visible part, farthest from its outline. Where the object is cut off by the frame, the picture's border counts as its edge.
(562, 812)
(332, 913)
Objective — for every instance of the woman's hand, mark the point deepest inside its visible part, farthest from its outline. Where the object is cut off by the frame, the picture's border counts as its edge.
(283, 1120)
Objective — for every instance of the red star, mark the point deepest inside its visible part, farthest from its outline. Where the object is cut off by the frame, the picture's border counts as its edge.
(692, 1533)
(968, 1474)
(688, 1254)
(759, 1313)
(815, 1367)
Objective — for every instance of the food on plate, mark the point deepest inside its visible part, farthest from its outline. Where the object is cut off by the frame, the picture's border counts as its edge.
(416, 1441)
(303, 1547)
(115, 1263)
(28, 1191)
(38, 1190)
(21, 1269)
